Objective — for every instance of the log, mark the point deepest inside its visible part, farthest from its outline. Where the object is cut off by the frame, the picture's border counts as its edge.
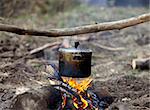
(78, 30)
(142, 64)
(44, 98)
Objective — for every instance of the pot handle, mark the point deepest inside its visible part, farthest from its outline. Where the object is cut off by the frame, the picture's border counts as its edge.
(77, 57)
(76, 44)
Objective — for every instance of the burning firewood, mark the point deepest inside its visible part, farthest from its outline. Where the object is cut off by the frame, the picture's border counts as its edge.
(79, 94)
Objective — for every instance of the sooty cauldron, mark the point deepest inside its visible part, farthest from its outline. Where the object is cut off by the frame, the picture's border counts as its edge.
(75, 62)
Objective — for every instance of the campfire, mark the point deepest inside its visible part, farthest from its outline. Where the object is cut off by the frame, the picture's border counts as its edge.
(77, 93)
(74, 81)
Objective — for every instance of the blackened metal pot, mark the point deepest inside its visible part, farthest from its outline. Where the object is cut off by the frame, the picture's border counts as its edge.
(75, 62)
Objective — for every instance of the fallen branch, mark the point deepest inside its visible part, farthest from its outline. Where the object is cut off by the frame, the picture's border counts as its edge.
(48, 45)
(78, 30)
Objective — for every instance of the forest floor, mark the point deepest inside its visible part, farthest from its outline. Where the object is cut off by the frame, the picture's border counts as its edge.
(111, 68)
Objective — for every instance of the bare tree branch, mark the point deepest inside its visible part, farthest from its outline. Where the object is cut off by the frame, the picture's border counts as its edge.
(78, 30)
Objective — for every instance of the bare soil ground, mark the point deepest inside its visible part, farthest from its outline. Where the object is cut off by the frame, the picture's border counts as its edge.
(111, 69)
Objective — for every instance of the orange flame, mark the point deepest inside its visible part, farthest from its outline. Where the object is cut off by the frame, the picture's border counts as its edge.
(85, 103)
(81, 87)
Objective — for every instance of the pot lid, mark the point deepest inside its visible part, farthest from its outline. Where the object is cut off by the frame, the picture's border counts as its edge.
(74, 50)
